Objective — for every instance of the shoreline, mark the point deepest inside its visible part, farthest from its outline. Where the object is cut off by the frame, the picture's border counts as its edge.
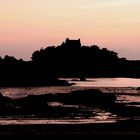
(123, 128)
(119, 128)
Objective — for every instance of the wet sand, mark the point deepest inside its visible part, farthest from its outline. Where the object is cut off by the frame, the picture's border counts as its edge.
(122, 128)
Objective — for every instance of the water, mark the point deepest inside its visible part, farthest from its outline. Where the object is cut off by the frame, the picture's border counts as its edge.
(108, 82)
(115, 85)
(124, 88)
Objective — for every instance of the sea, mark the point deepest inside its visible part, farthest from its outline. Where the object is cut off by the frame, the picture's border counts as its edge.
(126, 90)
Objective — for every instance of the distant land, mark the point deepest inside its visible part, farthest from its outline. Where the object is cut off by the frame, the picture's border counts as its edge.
(70, 59)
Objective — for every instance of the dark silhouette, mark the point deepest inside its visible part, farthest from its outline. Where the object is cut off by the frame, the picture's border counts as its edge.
(73, 60)
(40, 105)
(70, 59)
(72, 43)
(86, 100)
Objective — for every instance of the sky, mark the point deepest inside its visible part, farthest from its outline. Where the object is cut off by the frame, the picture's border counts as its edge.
(28, 25)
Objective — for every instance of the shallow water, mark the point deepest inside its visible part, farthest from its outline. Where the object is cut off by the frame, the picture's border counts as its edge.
(108, 82)
(115, 85)
(124, 88)
(98, 116)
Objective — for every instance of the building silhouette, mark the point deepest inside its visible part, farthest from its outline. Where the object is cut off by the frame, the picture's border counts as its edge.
(72, 43)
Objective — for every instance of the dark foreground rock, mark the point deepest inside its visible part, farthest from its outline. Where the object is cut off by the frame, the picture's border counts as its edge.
(68, 103)
(73, 104)
(88, 97)
(123, 129)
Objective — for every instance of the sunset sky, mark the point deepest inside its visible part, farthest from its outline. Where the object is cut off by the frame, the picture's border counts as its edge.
(28, 25)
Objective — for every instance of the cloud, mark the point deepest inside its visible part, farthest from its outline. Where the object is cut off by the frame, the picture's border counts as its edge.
(108, 3)
(119, 2)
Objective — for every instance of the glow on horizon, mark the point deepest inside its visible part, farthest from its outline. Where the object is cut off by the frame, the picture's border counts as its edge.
(31, 24)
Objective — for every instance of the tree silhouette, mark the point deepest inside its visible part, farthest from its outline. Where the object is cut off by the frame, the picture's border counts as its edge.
(70, 59)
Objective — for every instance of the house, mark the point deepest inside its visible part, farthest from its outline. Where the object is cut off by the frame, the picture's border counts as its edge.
(72, 43)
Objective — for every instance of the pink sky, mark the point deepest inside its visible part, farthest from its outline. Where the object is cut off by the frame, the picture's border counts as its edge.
(28, 25)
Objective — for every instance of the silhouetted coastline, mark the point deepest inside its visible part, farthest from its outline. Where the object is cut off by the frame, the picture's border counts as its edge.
(73, 60)
(40, 106)
(70, 59)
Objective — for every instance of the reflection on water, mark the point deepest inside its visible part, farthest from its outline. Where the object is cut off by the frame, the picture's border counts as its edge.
(55, 104)
(48, 121)
(109, 82)
(100, 117)
(130, 98)
(22, 92)
(115, 85)
(124, 88)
